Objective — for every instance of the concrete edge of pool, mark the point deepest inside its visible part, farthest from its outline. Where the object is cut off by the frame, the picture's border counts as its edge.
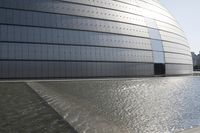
(192, 130)
(92, 79)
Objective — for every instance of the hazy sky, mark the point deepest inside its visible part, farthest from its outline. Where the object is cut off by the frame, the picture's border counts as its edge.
(187, 12)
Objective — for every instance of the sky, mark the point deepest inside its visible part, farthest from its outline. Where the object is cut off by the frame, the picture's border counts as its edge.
(187, 13)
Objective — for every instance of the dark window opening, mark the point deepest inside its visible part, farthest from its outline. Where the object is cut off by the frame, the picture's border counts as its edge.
(159, 69)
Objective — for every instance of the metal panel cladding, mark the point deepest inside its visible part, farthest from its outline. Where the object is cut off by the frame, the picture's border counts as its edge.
(90, 38)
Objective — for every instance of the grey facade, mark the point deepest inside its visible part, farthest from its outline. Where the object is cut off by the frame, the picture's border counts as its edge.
(90, 38)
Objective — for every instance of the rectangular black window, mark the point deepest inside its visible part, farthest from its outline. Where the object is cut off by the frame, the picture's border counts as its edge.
(159, 69)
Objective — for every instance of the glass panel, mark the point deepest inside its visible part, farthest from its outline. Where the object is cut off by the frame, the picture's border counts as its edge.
(154, 33)
(158, 57)
(157, 45)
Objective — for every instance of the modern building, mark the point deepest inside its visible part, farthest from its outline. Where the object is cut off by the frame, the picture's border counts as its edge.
(90, 38)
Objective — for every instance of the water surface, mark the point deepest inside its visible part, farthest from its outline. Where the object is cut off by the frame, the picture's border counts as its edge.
(143, 105)
(23, 111)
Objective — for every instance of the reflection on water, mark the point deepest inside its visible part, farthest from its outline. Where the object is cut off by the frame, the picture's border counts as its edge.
(145, 105)
(23, 111)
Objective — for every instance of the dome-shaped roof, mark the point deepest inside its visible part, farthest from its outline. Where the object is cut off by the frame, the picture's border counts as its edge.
(90, 38)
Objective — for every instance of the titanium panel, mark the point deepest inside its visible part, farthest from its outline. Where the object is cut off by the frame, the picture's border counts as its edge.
(84, 38)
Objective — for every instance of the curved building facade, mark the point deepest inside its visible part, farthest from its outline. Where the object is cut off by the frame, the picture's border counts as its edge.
(90, 38)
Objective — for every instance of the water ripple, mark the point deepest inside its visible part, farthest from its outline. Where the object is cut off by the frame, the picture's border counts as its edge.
(168, 104)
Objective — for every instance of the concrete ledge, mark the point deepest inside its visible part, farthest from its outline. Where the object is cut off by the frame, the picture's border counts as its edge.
(196, 73)
(192, 130)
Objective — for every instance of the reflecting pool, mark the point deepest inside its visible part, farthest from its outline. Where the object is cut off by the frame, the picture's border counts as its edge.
(142, 105)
